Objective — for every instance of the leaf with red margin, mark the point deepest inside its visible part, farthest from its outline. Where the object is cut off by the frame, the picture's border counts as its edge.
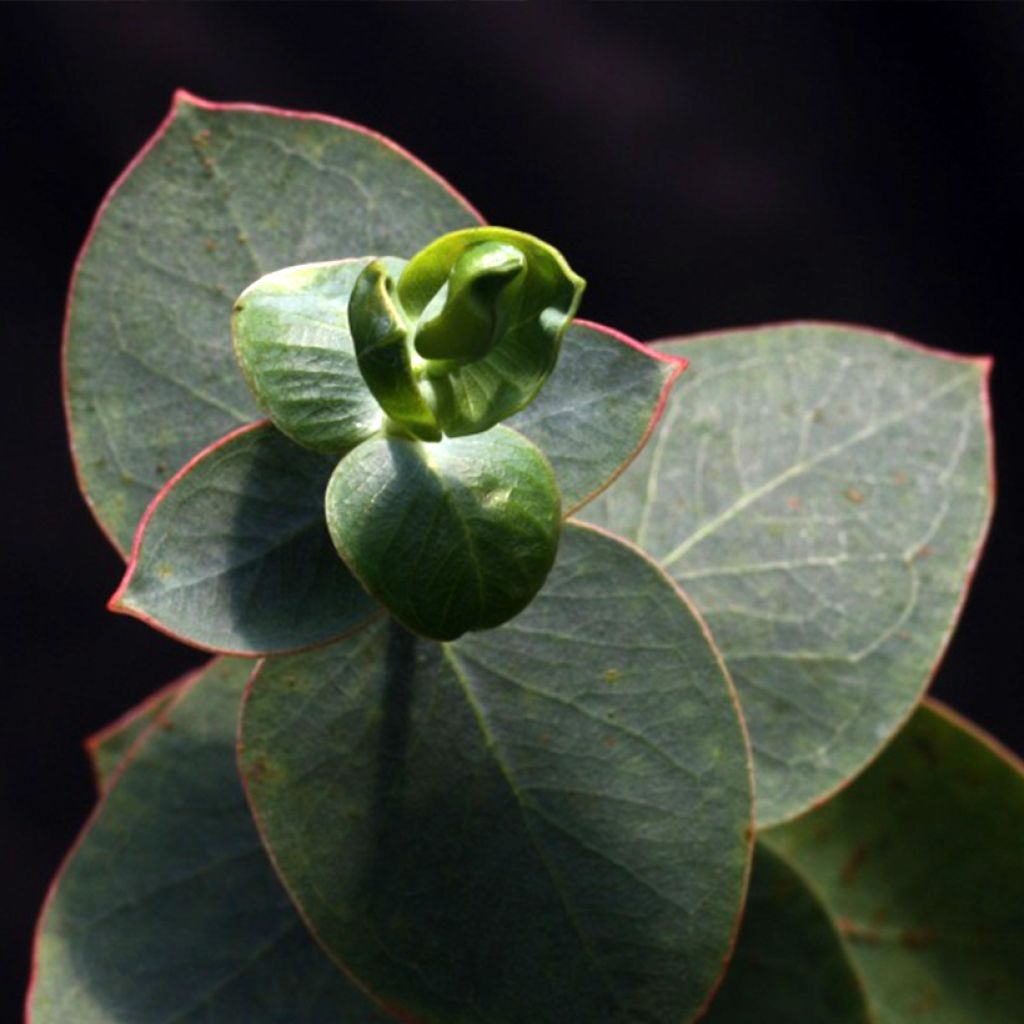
(233, 554)
(107, 748)
(166, 908)
(822, 493)
(222, 194)
(791, 965)
(598, 409)
(546, 822)
(919, 863)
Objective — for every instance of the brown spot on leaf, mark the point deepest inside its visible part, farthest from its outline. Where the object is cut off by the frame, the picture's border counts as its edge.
(853, 864)
(923, 551)
(259, 771)
(793, 503)
(918, 938)
(856, 932)
(854, 496)
(210, 245)
(898, 479)
(611, 676)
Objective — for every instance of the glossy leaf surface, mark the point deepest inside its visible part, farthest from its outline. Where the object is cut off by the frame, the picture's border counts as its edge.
(235, 555)
(516, 333)
(821, 493)
(292, 339)
(222, 195)
(168, 909)
(449, 536)
(381, 339)
(919, 862)
(545, 822)
(790, 965)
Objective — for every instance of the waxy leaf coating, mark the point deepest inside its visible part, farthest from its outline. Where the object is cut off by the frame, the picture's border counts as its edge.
(235, 555)
(268, 561)
(449, 536)
(919, 863)
(544, 822)
(292, 338)
(821, 493)
(597, 410)
(790, 965)
(167, 909)
(220, 196)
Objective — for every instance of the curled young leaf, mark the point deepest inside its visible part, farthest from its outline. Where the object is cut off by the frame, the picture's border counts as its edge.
(222, 194)
(452, 536)
(382, 332)
(291, 336)
(467, 334)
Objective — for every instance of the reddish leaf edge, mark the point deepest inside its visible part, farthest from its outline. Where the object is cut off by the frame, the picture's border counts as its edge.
(976, 732)
(117, 603)
(182, 97)
(749, 833)
(184, 685)
(843, 946)
(985, 365)
(676, 364)
(94, 741)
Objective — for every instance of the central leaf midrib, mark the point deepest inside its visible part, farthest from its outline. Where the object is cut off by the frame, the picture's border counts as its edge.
(491, 742)
(799, 468)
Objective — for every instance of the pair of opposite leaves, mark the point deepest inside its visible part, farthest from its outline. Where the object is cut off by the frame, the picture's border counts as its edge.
(449, 519)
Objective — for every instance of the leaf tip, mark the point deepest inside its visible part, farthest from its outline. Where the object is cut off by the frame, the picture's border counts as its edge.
(184, 98)
(119, 602)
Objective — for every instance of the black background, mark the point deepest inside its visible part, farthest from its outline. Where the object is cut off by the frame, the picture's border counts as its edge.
(702, 166)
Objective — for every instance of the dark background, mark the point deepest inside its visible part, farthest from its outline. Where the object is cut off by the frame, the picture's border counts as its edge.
(702, 166)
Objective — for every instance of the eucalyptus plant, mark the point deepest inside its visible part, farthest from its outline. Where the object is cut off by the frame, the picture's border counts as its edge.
(550, 685)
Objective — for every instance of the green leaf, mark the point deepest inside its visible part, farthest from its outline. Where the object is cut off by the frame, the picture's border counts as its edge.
(597, 409)
(449, 536)
(919, 862)
(278, 584)
(546, 822)
(234, 555)
(821, 492)
(524, 320)
(380, 337)
(292, 339)
(222, 195)
(790, 965)
(108, 747)
(167, 908)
